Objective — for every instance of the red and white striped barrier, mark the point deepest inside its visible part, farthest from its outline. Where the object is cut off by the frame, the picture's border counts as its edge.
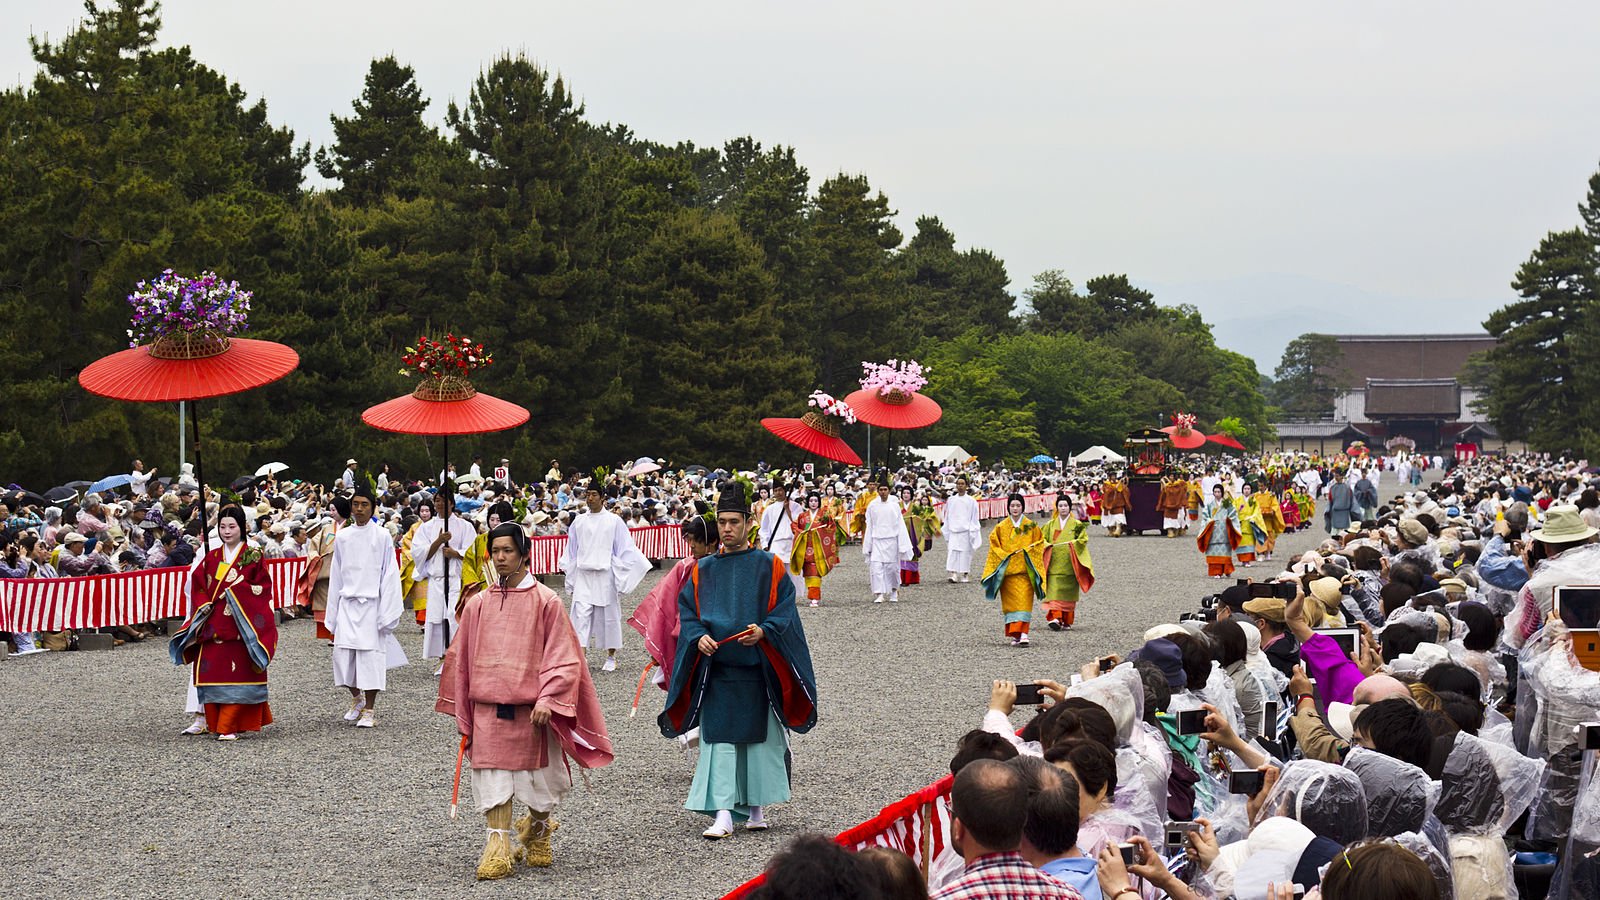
(917, 825)
(655, 542)
(127, 598)
(995, 507)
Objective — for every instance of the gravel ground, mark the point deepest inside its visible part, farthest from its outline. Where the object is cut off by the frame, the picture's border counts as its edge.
(106, 799)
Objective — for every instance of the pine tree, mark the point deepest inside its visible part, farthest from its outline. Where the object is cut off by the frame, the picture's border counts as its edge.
(857, 309)
(1054, 306)
(378, 150)
(703, 309)
(533, 284)
(1535, 391)
(950, 292)
(119, 161)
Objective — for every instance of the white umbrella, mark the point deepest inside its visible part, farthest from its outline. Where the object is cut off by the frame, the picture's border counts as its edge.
(468, 478)
(272, 468)
(643, 466)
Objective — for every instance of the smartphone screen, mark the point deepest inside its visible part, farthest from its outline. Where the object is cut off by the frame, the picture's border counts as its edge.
(1191, 721)
(1261, 589)
(1246, 781)
(1269, 720)
(1348, 639)
(1578, 605)
(1029, 695)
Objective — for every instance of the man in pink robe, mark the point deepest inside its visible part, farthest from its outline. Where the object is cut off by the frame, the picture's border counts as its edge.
(516, 681)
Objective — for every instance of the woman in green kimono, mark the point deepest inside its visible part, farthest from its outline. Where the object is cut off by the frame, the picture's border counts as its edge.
(1068, 569)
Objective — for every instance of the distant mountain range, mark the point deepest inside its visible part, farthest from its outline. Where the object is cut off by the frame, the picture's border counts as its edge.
(1258, 315)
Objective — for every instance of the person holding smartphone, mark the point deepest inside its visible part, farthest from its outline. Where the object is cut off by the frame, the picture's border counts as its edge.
(1116, 876)
(1336, 674)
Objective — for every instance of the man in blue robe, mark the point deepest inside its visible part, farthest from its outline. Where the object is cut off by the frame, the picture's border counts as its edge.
(742, 675)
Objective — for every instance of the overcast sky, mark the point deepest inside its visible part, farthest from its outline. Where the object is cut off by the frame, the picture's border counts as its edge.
(1287, 167)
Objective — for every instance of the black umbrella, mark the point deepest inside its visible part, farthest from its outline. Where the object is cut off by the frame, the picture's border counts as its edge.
(697, 470)
(15, 499)
(77, 485)
(243, 481)
(57, 494)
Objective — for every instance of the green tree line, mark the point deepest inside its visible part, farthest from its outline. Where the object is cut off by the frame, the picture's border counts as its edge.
(640, 297)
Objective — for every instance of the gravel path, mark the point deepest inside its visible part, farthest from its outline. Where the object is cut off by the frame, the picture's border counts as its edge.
(106, 799)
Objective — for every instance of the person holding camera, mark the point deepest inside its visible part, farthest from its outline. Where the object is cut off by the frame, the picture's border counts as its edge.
(14, 563)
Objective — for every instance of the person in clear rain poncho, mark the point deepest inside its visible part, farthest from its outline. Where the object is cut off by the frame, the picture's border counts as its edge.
(1484, 787)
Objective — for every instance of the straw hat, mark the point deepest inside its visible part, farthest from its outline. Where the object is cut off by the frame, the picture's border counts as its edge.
(1563, 525)
(1413, 531)
(1326, 589)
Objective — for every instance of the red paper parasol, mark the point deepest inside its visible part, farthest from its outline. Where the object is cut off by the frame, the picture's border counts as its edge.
(1187, 441)
(189, 366)
(1225, 441)
(897, 411)
(420, 413)
(814, 434)
(445, 406)
(167, 373)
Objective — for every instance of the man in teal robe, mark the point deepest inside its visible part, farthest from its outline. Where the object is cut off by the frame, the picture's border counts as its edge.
(742, 675)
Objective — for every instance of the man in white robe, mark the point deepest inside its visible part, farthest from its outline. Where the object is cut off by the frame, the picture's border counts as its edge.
(601, 564)
(364, 608)
(963, 531)
(438, 561)
(777, 535)
(884, 542)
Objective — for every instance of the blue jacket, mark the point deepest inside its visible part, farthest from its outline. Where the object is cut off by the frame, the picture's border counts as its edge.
(1499, 567)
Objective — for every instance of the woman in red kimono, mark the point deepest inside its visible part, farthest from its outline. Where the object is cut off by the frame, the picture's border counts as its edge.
(231, 633)
(816, 549)
(1291, 509)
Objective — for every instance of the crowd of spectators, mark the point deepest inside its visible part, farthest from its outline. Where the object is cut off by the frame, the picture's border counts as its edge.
(1398, 716)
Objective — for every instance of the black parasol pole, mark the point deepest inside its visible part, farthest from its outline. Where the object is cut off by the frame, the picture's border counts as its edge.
(200, 476)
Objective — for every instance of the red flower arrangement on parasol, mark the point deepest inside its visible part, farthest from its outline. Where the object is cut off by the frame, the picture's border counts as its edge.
(444, 401)
(1183, 433)
(816, 432)
(889, 396)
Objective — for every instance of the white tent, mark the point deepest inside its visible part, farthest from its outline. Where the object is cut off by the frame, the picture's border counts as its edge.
(940, 454)
(1098, 453)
